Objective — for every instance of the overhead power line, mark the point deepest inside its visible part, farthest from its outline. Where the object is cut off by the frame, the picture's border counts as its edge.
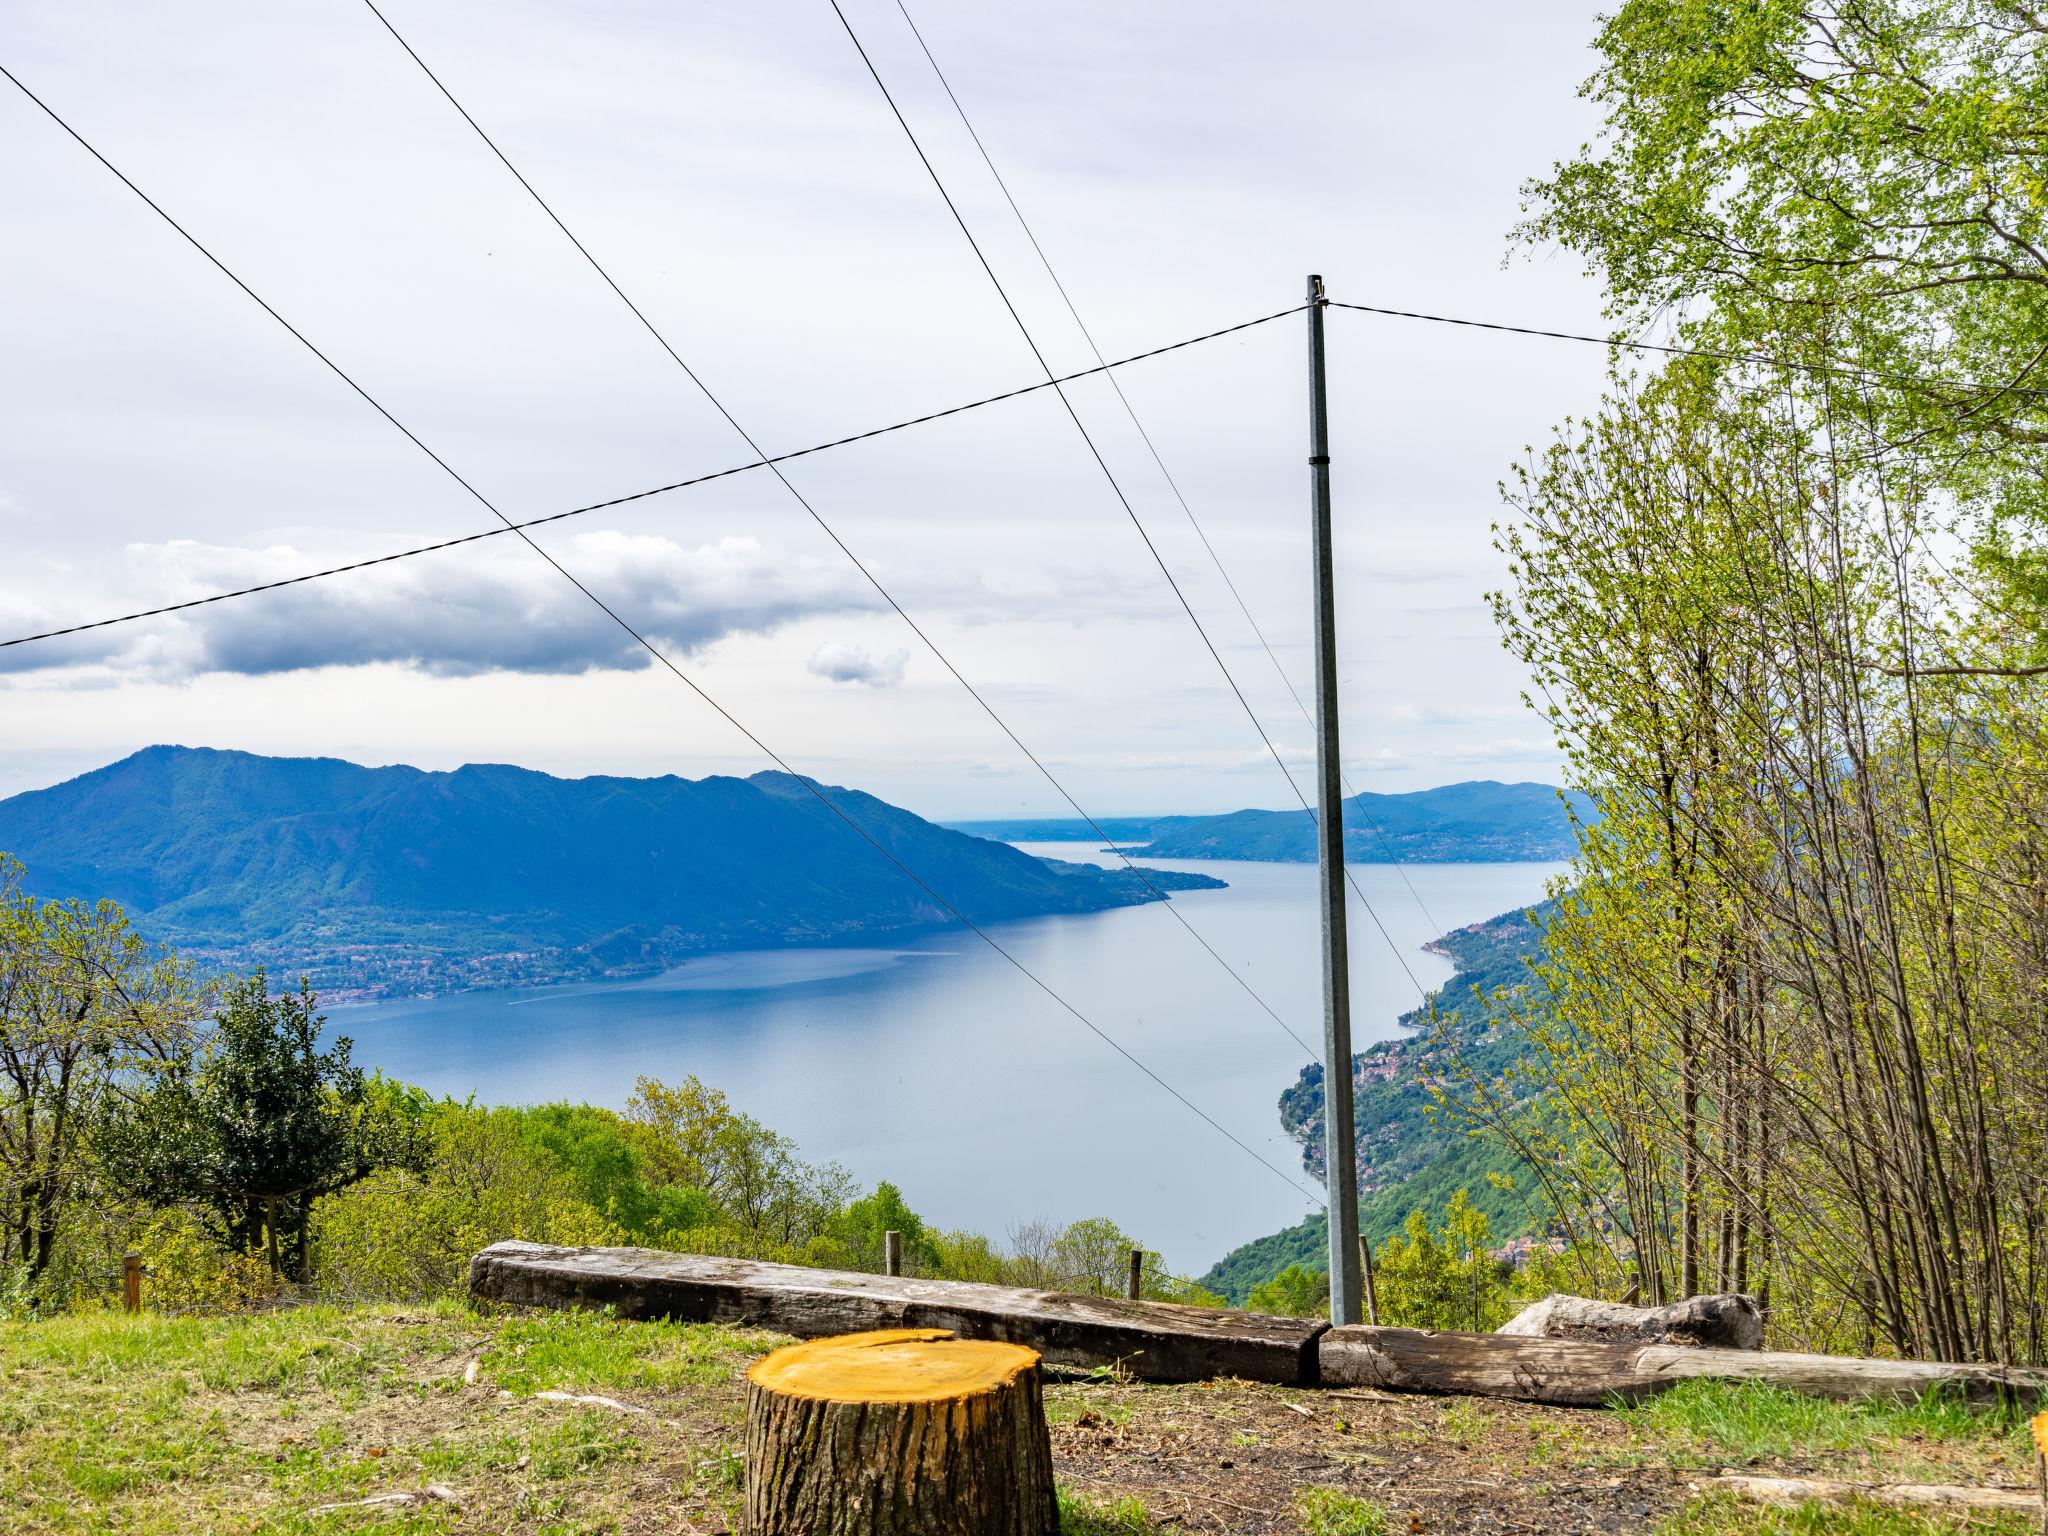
(1110, 475)
(1151, 447)
(1165, 902)
(1672, 349)
(655, 651)
(657, 490)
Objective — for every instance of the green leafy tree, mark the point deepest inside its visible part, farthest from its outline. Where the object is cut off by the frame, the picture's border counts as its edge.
(595, 1149)
(1297, 1291)
(1441, 1274)
(860, 1227)
(1854, 187)
(84, 1001)
(254, 1126)
(407, 1233)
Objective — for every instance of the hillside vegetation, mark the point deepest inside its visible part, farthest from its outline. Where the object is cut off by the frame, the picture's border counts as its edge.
(387, 880)
(1412, 1155)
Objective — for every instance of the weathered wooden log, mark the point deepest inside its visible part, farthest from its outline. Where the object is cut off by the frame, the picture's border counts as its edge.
(1153, 1340)
(1731, 1321)
(1158, 1341)
(902, 1432)
(1801, 1490)
(1579, 1373)
(1588, 1372)
(1846, 1377)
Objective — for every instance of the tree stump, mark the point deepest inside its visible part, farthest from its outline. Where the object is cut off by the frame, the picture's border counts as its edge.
(903, 1432)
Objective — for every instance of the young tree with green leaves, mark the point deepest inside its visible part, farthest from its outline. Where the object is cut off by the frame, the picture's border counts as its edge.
(84, 1002)
(254, 1125)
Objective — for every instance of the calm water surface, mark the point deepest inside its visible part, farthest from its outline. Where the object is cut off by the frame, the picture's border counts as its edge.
(940, 1067)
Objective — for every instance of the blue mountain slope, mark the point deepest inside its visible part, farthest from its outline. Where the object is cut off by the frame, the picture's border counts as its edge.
(1480, 821)
(392, 879)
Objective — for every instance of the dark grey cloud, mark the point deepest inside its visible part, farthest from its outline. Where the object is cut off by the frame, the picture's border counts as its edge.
(500, 610)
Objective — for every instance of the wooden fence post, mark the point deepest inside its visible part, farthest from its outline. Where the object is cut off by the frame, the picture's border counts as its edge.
(131, 1282)
(1137, 1286)
(1372, 1301)
(892, 1253)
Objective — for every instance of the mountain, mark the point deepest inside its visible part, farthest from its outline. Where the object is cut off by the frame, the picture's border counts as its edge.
(1408, 1158)
(1477, 822)
(382, 880)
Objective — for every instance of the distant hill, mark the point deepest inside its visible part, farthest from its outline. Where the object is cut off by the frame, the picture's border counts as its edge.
(1477, 822)
(384, 880)
(1407, 1158)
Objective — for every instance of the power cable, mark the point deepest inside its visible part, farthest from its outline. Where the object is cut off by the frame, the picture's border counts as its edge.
(1936, 381)
(1165, 902)
(653, 650)
(658, 490)
(1110, 475)
(1151, 447)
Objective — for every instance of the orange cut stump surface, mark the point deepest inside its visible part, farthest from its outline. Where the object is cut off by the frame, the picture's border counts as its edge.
(893, 1365)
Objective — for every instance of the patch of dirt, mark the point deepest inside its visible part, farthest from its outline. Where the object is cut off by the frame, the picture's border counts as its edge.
(1235, 1457)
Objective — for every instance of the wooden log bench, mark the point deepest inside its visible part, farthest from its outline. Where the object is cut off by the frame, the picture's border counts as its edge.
(1152, 1340)
(1159, 1341)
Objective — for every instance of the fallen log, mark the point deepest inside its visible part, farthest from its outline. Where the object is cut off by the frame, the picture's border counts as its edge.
(1152, 1340)
(904, 1432)
(1729, 1321)
(1572, 1373)
(1588, 1372)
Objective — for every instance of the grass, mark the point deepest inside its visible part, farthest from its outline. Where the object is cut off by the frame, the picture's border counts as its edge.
(248, 1424)
(1327, 1512)
(1938, 1438)
(188, 1427)
(1721, 1516)
(1083, 1516)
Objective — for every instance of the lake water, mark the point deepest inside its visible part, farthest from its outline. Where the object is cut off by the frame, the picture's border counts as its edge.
(938, 1066)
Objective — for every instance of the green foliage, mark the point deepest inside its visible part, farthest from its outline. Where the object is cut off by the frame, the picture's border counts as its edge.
(1857, 187)
(1297, 1291)
(253, 1127)
(594, 1149)
(1415, 1152)
(1329, 1512)
(84, 1002)
(859, 1229)
(404, 1234)
(1441, 1275)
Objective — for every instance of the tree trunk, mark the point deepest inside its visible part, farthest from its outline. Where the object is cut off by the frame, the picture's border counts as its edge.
(905, 1432)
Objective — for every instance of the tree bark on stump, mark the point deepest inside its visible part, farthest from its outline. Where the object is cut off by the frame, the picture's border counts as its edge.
(904, 1432)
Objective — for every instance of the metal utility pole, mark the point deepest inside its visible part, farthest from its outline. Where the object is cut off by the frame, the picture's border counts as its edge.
(1340, 1148)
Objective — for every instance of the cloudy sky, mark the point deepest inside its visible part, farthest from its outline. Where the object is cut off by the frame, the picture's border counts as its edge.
(1184, 163)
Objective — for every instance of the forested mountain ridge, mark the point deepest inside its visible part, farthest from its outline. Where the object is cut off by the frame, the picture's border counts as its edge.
(1409, 1157)
(1480, 821)
(385, 880)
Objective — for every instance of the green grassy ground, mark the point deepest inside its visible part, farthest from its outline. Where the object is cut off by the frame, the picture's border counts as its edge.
(259, 1423)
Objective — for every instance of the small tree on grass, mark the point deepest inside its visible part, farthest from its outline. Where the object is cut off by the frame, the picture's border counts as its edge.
(254, 1126)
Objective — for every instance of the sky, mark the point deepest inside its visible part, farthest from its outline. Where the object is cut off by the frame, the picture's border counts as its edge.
(1184, 166)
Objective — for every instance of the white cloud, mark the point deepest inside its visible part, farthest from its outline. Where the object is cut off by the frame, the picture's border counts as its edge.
(495, 608)
(843, 662)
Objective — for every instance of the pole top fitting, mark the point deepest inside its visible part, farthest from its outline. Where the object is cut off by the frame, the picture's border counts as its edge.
(1315, 289)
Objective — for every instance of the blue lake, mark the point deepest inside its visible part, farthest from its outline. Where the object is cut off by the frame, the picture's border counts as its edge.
(939, 1066)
